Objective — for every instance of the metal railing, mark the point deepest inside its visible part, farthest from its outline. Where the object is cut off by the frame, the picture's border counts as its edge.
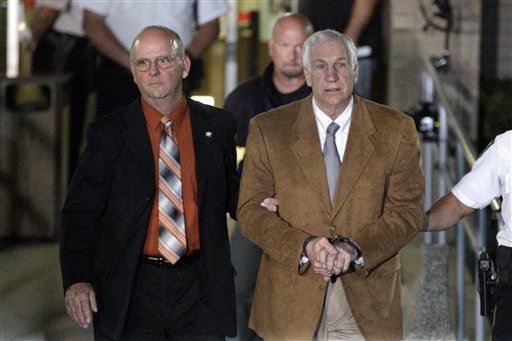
(470, 233)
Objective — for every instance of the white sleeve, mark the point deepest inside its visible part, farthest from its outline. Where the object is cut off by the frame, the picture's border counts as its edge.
(480, 186)
(60, 5)
(98, 7)
(208, 10)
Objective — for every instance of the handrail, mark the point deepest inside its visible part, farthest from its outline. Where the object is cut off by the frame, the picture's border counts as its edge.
(469, 233)
(469, 151)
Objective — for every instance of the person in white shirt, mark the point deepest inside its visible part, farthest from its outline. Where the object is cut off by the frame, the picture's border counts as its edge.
(111, 25)
(59, 45)
(490, 177)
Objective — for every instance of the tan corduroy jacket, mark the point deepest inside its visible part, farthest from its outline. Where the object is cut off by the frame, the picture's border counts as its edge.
(378, 205)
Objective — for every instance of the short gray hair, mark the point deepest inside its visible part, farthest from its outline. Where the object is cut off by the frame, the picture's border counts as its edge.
(301, 19)
(326, 35)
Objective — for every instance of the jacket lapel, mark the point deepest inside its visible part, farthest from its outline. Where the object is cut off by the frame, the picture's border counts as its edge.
(309, 153)
(357, 153)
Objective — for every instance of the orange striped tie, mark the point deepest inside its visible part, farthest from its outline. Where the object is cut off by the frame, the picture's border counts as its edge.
(172, 241)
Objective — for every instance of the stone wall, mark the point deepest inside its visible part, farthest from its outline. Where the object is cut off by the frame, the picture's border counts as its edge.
(504, 68)
(411, 45)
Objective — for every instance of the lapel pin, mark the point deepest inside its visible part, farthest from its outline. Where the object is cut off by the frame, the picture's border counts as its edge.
(209, 134)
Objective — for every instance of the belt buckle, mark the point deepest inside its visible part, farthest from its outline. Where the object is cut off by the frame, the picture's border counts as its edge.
(160, 262)
(163, 263)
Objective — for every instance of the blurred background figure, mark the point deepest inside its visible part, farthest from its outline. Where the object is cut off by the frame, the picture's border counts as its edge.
(282, 82)
(112, 25)
(58, 45)
(361, 21)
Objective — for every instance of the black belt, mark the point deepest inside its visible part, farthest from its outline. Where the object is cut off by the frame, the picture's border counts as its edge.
(504, 264)
(161, 262)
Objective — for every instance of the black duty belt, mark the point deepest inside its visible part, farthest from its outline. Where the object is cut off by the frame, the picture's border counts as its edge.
(504, 263)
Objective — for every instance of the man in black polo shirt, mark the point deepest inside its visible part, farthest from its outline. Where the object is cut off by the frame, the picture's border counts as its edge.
(282, 82)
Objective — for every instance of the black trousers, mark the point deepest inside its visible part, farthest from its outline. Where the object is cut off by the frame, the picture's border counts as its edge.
(502, 326)
(245, 257)
(169, 303)
(115, 87)
(60, 52)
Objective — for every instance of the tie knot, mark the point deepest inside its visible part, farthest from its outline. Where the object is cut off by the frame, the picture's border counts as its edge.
(332, 128)
(167, 123)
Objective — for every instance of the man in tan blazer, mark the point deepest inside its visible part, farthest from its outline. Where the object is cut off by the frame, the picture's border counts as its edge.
(330, 268)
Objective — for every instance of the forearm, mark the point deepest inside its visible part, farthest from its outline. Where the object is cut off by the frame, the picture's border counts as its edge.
(445, 213)
(104, 40)
(82, 213)
(398, 216)
(78, 241)
(205, 36)
(362, 13)
(276, 237)
(268, 230)
(42, 22)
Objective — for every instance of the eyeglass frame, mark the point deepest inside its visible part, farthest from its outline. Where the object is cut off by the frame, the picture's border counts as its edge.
(157, 61)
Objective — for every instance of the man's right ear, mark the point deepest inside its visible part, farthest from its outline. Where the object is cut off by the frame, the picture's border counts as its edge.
(307, 74)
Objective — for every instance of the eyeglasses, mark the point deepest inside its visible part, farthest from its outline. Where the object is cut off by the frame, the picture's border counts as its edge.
(162, 63)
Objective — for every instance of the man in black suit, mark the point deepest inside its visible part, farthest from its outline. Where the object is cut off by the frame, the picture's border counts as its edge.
(112, 266)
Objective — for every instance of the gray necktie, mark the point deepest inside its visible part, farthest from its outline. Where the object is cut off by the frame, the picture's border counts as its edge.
(331, 159)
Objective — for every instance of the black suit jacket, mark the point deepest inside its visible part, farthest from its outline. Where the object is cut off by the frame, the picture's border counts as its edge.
(106, 214)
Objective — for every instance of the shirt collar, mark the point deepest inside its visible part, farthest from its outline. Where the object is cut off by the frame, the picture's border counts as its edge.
(343, 120)
(153, 116)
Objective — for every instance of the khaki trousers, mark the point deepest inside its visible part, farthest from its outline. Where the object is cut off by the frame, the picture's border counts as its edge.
(337, 322)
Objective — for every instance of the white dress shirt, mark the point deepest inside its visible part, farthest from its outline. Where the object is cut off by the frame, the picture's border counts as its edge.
(70, 18)
(127, 18)
(323, 121)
